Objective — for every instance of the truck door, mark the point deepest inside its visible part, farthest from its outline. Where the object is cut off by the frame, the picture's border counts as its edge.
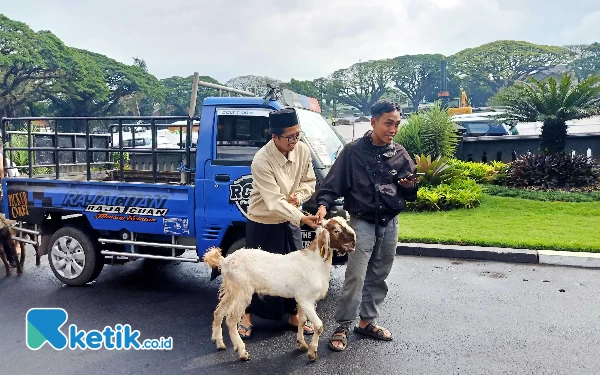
(239, 134)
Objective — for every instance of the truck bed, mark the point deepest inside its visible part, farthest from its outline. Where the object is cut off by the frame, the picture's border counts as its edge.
(157, 208)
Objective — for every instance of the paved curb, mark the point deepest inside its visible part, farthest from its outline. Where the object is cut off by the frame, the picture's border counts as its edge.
(567, 258)
(500, 254)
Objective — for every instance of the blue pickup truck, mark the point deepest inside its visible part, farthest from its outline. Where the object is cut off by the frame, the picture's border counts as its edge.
(149, 202)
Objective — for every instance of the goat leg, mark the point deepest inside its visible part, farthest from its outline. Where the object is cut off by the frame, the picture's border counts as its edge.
(21, 246)
(37, 255)
(6, 265)
(217, 329)
(311, 313)
(236, 339)
(19, 267)
(302, 345)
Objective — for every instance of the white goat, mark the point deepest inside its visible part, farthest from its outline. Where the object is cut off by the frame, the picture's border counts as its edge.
(302, 275)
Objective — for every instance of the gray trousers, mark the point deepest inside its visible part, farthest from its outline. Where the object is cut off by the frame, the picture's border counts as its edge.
(367, 269)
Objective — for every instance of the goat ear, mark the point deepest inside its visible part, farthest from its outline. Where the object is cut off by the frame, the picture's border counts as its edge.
(323, 243)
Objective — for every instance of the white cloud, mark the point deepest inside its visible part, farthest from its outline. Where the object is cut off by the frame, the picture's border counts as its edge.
(304, 40)
(586, 32)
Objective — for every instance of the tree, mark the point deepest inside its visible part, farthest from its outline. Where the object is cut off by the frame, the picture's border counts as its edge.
(145, 105)
(325, 90)
(362, 84)
(588, 62)
(395, 95)
(307, 88)
(29, 61)
(477, 89)
(553, 103)
(255, 84)
(122, 83)
(417, 76)
(178, 93)
(83, 93)
(499, 64)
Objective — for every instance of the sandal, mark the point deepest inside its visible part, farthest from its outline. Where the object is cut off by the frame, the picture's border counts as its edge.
(308, 324)
(340, 334)
(374, 331)
(247, 329)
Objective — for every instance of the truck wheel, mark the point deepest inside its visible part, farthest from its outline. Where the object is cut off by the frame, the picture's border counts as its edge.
(74, 258)
(236, 246)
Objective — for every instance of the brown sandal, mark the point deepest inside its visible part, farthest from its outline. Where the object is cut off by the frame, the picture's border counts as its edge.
(340, 334)
(374, 331)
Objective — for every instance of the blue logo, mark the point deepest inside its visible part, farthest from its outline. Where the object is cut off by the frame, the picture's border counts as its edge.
(43, 325)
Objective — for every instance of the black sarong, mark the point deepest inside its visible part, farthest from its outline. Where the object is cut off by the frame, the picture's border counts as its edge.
(279, 239)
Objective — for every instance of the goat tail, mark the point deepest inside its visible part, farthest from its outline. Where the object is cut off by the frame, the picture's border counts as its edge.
(213, 257)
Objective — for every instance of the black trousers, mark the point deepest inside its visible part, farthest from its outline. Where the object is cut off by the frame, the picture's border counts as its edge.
(279, 239)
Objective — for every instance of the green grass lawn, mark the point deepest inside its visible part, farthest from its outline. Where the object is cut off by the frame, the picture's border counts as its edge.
(509, 222)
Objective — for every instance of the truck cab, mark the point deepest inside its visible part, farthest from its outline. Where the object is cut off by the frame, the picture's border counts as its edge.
(158, 202)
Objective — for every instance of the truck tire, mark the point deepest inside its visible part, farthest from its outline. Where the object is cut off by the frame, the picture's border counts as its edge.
(74, 257)
(236, 246)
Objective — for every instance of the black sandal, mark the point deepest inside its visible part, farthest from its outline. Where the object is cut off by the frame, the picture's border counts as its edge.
(340, 334)
(374, 331)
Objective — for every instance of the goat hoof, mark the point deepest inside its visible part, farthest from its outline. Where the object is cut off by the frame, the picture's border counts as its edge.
(245, 357)
(313, 356)
(320, 330)
(302, 346)
(221, 348)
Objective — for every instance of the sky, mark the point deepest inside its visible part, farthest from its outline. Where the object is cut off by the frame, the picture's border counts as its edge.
(304, 39)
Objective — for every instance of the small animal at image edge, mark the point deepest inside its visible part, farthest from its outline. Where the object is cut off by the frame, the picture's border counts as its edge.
(8, 247)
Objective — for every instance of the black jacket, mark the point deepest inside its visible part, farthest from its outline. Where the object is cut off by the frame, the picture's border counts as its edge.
(348, 178)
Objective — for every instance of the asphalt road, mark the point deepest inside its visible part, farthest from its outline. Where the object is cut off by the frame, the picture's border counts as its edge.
(447, 317)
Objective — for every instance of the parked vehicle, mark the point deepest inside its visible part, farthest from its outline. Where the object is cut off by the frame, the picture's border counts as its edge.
(142, 208)
(481, 124)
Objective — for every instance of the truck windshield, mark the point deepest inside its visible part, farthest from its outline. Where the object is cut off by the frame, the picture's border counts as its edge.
(320, 137)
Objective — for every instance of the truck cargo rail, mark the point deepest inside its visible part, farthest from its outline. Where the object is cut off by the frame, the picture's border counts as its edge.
(95, 147)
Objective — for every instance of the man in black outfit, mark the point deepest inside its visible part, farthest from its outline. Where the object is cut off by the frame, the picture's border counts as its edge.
(376, 178)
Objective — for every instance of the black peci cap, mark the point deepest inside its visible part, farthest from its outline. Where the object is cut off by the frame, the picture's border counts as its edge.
(283, 118)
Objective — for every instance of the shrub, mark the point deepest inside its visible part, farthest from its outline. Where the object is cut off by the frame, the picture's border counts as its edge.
(501, 172)
(21, 157)
(430, 132)
(557, 171)
(116, 157)
(444, 197)
(483, 173)
(436, 171)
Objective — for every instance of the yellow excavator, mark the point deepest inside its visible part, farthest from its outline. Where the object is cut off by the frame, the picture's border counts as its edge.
(456, 106)
(461, 106)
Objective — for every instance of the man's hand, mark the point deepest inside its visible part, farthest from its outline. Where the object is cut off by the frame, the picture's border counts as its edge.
(409, 181)
(292, 199)
(406, 183)
(321, 213)
(311, 221)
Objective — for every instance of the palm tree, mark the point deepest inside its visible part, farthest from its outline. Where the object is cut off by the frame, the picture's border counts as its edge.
(552, 103)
